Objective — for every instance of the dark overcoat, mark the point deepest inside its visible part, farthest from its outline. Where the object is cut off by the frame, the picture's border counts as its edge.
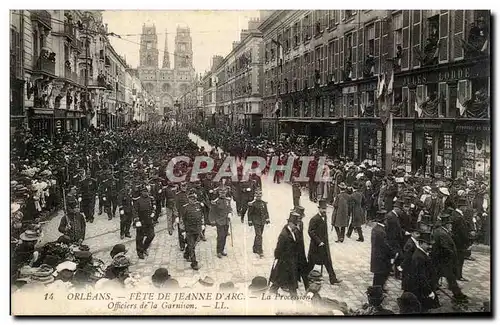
(381, 252)
(340, 216)
(408, 250)
(285, 270)
(318, 232)
(444, 252)
(422, 278)
(357, 202)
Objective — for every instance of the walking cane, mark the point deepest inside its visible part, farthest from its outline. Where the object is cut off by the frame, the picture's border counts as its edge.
(231, 232)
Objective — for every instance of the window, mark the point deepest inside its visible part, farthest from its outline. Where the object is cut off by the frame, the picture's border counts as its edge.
(334, 18)
(348, 47)
(149, 46)
(306, 26)
(398, 33)
(370, 33)
(296, 34)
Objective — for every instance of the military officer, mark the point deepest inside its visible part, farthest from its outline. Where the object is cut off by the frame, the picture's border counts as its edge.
(73, 223)
(258, 216)
(125, 208)
(143, 214)
(88, 193)
(191, 223)
(171, 209)
(247, 195)
(105, 189)
(159, 196)
(219, 216)
(181, 200)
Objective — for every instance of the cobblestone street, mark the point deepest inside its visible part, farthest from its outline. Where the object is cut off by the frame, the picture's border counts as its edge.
(351, 259)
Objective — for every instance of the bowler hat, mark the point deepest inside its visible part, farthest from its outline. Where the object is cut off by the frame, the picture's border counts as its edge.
(30, 235)
(380, 215)
(314, 275)
(226, 286)
(342, 186)
(259, 283)
(293, 217)
(425, 237)
(408, 303)
(375, 292)
(299, 209)
(322, 204)
(118, 248)
(160, 276)
(83, 255)
(64, 239)
(207, 281)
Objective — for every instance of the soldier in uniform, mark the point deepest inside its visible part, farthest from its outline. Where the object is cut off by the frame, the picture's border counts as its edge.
(171, 210)
(73, 223)
(219, 216)
(105, 189)
(204, 202)
(125, 208)
(181, 199)
(191, 222)
(246, 195)
(159, 196)
(88, 193)
(143, 214)
(258, 216)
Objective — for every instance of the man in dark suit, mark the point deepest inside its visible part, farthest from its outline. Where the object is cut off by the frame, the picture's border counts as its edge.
(460, 234)
(382, 254)
(319, 248)
(422, 275)
(394, 232)
(302, 263)
(408, 250)
(284, 273)
(220, 211)
(444, 256)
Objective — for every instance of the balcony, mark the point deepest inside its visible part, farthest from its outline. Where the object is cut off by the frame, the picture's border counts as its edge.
(69, 31)
(43, 17)
(46, 63)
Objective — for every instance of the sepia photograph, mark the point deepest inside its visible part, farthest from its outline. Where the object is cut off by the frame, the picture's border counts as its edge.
(250, 162)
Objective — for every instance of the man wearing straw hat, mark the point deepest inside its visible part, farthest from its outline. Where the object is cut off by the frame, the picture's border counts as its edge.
(73, 222)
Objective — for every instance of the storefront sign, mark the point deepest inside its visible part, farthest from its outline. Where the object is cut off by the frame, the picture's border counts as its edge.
(370, 124)
(446, 75)
(368, 86)
(349, 90)
(403, 126)
(473, 128)
(58, 113)
(428, 126)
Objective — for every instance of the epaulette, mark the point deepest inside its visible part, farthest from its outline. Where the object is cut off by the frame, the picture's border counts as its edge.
(251, 202)
(185, 204)
(135, 198)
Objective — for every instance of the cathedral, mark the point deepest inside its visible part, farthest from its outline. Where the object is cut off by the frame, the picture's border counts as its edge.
(166, 84)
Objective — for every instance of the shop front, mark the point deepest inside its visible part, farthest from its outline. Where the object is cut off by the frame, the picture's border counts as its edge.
(41, 121)
(351, 140)
(402, 144)
(371, 141)
(472, 149)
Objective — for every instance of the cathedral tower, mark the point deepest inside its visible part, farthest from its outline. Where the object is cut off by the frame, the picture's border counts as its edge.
(183, 53)
(166, 55)
(149, 47)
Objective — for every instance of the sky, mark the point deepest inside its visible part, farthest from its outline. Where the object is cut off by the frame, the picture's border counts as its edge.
(212, 32)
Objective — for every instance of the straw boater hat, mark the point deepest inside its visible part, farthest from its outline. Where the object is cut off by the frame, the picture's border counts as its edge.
(14, 207)
(444, 191)
(207, 281)
(427, 189)
(30, 235)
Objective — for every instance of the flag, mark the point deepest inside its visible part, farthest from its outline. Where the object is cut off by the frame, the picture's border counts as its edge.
(276, 107)
(485, 46)
(362, 108)
(436, 53)
(460, 107)
(391, 84)
(417, 108)
(381, 86)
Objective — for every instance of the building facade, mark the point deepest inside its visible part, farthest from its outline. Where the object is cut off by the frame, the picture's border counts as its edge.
(166, 84)
(209, 83)
(239, 81)
(322, 70)
(65, 75)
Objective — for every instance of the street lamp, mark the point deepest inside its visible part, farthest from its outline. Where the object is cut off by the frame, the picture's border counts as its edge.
(177, 106)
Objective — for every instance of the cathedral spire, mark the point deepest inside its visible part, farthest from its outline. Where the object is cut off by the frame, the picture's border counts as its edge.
(166, 56)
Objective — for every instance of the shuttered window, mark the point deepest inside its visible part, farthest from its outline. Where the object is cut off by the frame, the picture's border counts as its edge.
(458, 32)
(405, 95)
(354, 58)
(416, 37)
(386, 46)
(336, 59)
(444, 23)
(324, 65)
(405, 59)
(361, 53)
(341, 51)
(443, 98)
(330, 61)
(376, 44)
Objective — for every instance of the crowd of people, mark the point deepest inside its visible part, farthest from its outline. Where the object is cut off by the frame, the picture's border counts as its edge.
(124, 172)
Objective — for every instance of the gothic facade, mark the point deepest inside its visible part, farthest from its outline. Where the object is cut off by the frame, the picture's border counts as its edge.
(167, 84)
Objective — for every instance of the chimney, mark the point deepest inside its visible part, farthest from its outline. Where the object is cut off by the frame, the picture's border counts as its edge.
(216, 61)
(244, 33)
(235, 44)
(253, 24)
